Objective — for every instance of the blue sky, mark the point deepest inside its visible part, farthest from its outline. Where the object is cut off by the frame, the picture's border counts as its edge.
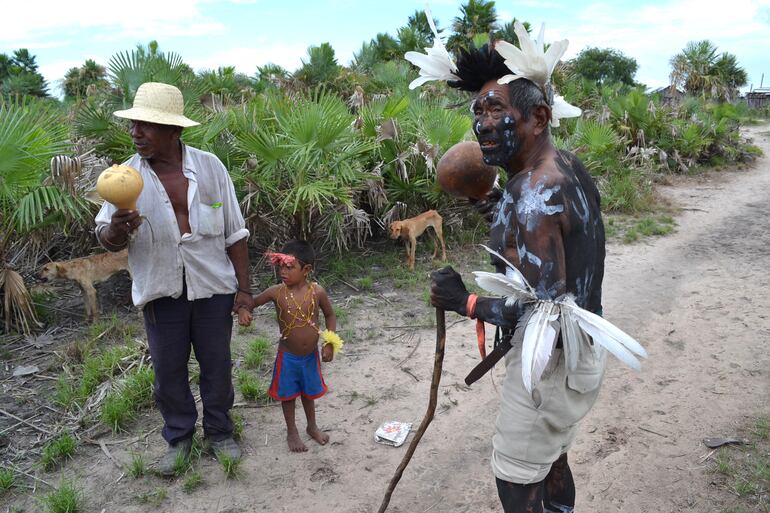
(250, 33)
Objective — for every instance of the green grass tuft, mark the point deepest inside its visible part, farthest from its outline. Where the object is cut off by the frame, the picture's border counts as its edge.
(256, 353)
(192, 481)
(365, 283)
(138, 467)
(154, 497)
(238, 425)
(7, 480)
(252, 387)
(65, 499)
(57, 450)
(762, 428)
(230, 465)
(127, 398)
(113, 328)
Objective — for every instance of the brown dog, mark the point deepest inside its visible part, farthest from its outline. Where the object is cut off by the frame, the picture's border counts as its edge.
(87, 271)
(410, 229)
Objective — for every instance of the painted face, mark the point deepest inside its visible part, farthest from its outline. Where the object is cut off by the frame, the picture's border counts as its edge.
(495, 124)
(293, 273)
(152, 139)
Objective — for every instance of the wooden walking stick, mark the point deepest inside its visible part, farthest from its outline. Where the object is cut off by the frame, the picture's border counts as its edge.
(438, 362)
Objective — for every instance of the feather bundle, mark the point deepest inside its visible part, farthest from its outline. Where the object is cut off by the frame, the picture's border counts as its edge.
(533, 62)
(530, 61)
(538, 343)
(435, 63)
(511, 272)
(607, 335)
(548, 318)
(503, 285)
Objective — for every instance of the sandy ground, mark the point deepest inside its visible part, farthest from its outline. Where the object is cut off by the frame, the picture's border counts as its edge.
(696, 299)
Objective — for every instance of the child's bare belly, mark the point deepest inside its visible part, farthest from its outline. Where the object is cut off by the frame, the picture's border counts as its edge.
(301, 341)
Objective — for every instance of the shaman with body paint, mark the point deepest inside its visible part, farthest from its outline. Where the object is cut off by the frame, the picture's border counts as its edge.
(546, 221)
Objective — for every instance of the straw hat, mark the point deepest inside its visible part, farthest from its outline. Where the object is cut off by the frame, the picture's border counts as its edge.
(157, 103)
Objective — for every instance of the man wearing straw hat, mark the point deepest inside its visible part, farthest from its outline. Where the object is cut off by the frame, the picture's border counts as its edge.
(189, 265)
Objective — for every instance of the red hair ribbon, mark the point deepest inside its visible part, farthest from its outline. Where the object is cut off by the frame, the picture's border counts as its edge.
(279, 259)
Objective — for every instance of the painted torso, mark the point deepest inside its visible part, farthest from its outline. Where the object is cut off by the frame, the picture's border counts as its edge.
(548, 224)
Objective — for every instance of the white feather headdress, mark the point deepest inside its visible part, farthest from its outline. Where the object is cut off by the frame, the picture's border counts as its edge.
(533, 62)
(548, 318)
(435, 63)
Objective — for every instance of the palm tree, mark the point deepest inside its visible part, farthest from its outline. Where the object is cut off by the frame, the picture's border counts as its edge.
(700, 70)
(31, 133)
(506, 32)
(730, 73)
(320, 67)
(308, 166)
(478, 17)
(78, 80)
(19, 75)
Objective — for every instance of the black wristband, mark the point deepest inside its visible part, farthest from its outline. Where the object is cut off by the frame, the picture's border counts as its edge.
(244, 291)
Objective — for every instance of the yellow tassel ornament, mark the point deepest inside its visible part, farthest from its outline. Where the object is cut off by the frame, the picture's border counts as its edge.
(329, 337)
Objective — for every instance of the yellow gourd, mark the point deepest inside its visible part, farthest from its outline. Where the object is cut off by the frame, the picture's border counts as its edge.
(120, 185)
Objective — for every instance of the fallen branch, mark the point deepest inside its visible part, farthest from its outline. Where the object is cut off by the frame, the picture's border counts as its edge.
(437, 365)
(11, 415)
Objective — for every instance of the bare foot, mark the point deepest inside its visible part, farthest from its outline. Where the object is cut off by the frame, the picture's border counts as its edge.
(295, 442)
(317, 435)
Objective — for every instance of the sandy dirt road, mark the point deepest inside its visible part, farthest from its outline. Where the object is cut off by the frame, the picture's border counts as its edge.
(696, 299)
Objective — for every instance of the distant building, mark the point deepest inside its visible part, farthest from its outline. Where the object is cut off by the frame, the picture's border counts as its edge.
(758, 98)
(669, 95)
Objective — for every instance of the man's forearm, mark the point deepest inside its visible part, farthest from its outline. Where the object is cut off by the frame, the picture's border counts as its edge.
(239, 256)
(494, 311)
(110, 240)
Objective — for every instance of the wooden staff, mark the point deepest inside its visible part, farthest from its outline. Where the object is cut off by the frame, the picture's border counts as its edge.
(438, 362)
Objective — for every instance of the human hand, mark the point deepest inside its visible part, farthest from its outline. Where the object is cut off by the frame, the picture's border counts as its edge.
(243, 300)
(244, 317)
(122, 223)
(447, 291)
(327, 353)
(125, 221)
(487, 206)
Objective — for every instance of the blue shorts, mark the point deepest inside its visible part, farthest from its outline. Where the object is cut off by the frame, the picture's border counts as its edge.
(297, 375)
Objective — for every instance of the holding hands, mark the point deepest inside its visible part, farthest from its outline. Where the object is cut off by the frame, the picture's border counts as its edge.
(243, 305)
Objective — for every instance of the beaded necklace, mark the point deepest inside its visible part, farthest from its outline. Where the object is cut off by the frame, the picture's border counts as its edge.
(295, 316)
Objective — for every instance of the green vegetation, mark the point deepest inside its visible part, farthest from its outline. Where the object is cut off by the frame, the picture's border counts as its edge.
(58, 450)
(238, 425)
(230, 465)
(7, 480)
(131, 394)
(256, 352)
(744, 470)
(113, 328)
(192, 481)
(251, 387)
(65, 499)
(138, 467)
(334, 153)
(154, 497)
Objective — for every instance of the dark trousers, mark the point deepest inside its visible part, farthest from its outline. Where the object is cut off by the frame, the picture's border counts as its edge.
(554, 494)
(174, 326)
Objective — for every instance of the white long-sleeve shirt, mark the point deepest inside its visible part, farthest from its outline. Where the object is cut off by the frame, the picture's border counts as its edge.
(159, 256)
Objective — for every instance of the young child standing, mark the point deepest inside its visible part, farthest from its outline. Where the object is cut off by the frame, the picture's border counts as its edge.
(297, 370)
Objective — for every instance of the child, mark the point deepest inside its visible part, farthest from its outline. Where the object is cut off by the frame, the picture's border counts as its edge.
(297, 370)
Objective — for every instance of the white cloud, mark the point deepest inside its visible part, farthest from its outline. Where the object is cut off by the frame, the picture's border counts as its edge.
(41, 19)
(246, 59)
(653, 34)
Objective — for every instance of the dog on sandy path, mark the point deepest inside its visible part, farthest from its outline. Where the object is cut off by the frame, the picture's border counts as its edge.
(87, 271)
(410, 229)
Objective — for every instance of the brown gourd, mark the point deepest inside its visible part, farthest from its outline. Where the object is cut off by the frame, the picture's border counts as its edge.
(120, 185)
(462, 171)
